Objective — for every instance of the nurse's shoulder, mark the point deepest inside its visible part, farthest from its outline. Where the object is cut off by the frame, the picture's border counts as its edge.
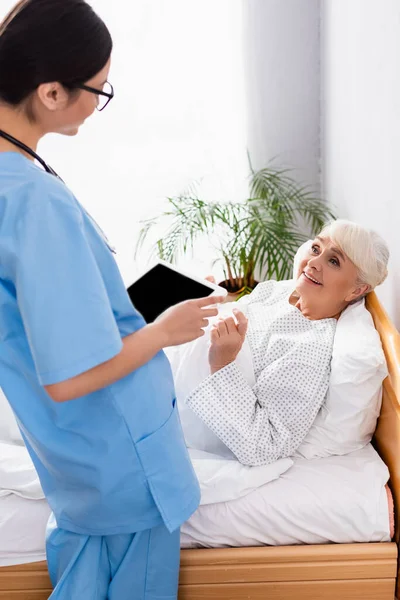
(26, 189)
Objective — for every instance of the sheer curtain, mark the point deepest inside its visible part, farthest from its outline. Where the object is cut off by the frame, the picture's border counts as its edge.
(178, 116)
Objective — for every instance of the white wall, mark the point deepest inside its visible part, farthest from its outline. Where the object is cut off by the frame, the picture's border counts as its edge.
(178, 115)
(361, 121)
(283, 78)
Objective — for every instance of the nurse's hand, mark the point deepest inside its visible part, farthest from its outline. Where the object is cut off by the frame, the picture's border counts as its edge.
(185, 321)
(227, 339)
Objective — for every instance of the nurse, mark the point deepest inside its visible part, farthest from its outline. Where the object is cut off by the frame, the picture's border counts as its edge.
(86, 377)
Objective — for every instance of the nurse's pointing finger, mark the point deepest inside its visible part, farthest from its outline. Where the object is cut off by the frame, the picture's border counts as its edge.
(209, 312)
(201, 302)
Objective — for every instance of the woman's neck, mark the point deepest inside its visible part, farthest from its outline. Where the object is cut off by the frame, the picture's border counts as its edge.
(311, 312)
(16, 123)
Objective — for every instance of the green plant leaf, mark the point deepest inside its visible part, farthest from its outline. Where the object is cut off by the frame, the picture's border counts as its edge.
(261, 234)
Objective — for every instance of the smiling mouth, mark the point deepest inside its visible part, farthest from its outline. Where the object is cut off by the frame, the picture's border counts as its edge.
(311, 279)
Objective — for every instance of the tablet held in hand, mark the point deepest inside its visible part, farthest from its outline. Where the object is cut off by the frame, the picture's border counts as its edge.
(164, 285)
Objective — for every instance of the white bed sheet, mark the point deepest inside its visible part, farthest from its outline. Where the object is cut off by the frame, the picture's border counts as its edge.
(338, 499)
(22, 530)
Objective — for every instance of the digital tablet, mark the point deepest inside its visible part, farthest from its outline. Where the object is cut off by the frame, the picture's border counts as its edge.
(164, 285)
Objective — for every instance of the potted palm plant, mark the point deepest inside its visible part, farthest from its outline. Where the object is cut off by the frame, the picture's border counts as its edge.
(255, 238)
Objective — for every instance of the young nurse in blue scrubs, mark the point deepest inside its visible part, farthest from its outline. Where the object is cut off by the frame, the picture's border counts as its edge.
(86, 377)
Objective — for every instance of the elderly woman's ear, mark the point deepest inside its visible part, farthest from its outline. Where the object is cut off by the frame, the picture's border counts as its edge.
(361, 291)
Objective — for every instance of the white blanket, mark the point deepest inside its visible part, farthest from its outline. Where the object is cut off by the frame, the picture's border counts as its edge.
(222, 479)
(17, 473)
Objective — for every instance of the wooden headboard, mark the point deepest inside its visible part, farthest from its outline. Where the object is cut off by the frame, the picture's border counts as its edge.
(387, 434)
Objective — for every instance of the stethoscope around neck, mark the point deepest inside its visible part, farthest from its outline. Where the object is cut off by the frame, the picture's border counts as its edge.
(25, 148)
(51, 171)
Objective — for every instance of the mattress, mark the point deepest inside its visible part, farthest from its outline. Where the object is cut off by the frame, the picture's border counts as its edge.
(340, 499)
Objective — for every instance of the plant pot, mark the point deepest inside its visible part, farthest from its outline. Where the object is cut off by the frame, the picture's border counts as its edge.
(234, 293)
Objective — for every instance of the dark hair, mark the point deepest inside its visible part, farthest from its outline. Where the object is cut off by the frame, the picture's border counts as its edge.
(50, 40)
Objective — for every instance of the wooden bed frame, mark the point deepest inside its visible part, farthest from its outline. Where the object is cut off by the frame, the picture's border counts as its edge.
(321, 572)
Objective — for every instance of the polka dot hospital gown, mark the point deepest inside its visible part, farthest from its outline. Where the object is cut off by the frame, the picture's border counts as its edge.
(291, 358)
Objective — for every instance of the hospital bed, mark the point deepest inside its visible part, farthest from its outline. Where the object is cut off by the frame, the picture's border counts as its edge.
(313, 572)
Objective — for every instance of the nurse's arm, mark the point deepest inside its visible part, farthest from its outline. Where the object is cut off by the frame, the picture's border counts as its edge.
(179, 324)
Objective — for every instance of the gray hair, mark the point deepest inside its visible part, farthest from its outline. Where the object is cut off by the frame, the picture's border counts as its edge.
(364, 247)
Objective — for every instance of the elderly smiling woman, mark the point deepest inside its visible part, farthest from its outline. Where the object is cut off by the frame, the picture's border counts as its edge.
(267, 370)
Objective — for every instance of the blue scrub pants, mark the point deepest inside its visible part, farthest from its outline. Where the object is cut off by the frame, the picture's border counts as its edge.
(137, 566)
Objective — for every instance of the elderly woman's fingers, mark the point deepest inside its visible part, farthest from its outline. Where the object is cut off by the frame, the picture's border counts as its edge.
(221, 326)
(230, 325)
(242, 322)
(214, 335)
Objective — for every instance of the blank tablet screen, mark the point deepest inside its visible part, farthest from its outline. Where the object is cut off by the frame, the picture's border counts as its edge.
(162, 287)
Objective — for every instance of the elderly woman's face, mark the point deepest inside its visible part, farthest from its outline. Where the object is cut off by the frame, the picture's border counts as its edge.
(328, 276)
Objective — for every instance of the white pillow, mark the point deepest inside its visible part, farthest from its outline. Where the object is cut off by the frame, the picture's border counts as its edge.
(347, 420)
(9, 430)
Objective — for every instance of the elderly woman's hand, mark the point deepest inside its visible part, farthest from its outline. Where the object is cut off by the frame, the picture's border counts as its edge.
(227, 338)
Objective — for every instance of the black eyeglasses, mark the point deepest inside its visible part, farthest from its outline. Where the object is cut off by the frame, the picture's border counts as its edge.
(104, 95)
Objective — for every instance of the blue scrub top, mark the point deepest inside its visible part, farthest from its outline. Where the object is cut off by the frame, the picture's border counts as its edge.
(113, 461)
